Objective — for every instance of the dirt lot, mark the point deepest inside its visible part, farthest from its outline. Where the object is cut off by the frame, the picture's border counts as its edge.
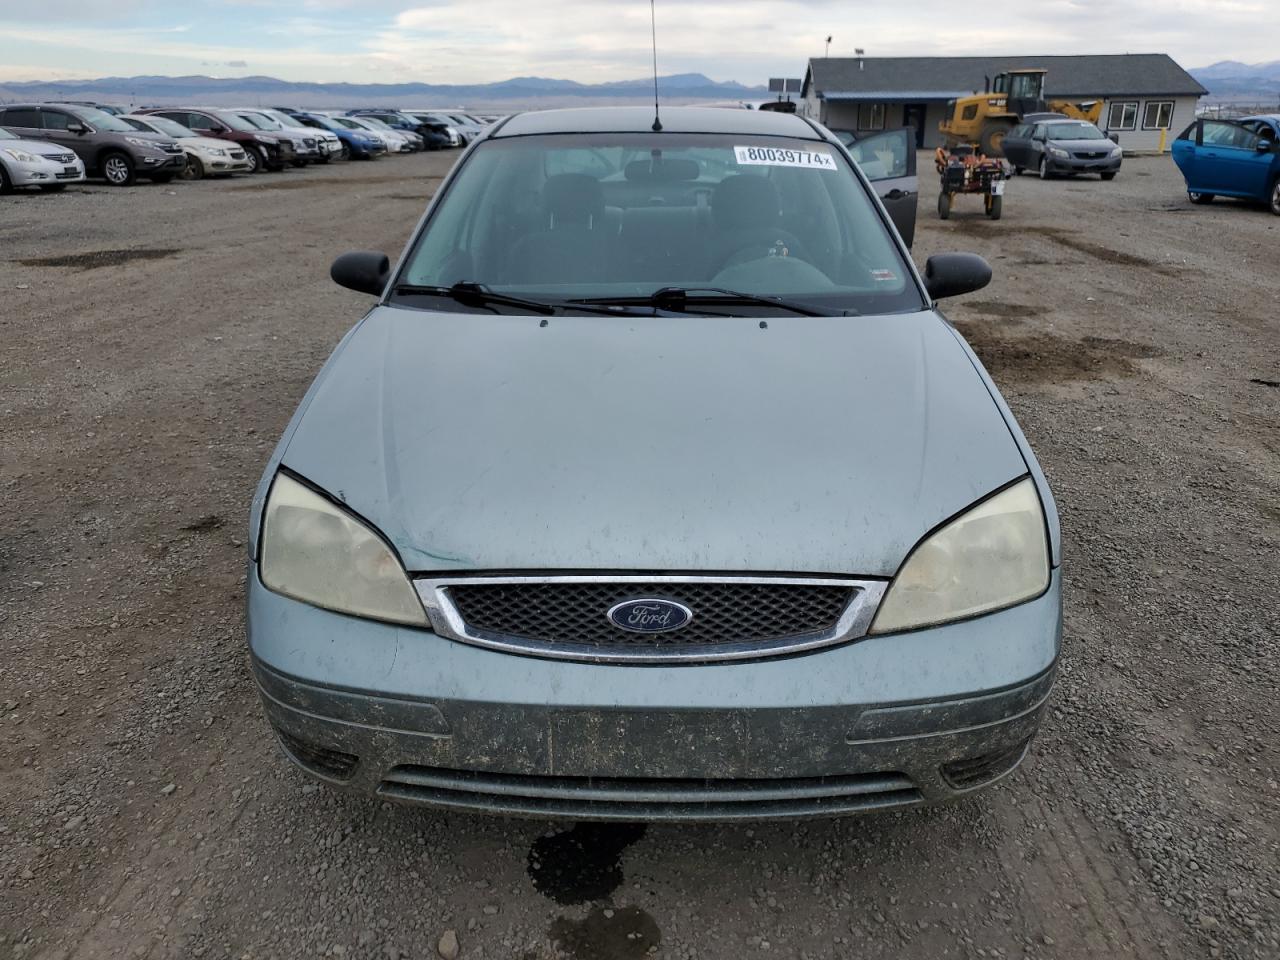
(156, 340)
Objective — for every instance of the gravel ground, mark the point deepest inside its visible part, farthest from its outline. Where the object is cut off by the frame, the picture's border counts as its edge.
(155, 342)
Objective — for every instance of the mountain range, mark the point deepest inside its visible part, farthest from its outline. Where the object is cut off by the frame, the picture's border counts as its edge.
(510, 94)
(1231, 78)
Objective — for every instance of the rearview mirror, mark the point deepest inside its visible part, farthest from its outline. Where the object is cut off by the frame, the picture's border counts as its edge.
(951, 274)
(364, 271)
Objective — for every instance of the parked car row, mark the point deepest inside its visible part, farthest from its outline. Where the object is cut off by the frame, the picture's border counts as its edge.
(49, 145)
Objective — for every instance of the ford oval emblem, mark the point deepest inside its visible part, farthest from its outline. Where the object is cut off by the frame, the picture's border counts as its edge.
(650, 615)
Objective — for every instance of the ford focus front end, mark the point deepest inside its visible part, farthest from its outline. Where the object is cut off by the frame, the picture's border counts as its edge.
(665, 494)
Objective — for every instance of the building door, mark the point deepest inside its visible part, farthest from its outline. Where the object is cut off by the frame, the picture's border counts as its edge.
(913, 116)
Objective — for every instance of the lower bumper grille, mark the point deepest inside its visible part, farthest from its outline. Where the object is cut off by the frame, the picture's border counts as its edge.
(590, 798)
(975, 771)
(320, 760)
(571, 617)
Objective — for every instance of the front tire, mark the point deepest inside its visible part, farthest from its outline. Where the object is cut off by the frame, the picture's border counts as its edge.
(118, 169)
(1109, 175)
(194, 170)
(994, 207)
(1275, 197)
(1202, 199)
(6, 185)
(944, 206)
(257, 163)
(346, 152)
(1043, 170)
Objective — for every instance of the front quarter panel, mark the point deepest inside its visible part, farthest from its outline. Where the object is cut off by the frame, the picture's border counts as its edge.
(1033, 465)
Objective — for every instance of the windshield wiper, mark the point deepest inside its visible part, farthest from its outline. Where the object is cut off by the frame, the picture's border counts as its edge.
(678, 299)
(475, 295)
(471, 294)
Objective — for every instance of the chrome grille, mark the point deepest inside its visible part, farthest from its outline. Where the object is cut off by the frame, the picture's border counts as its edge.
(733, 617)
(61, 157)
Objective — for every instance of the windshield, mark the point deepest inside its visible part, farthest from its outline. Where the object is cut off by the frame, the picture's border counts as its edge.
(259, 121)
(348, 123)
(329, 124)
(101, 120)
(624, 215)
(1074, 131)
(282, 120)
(237, 122)
(375, 123)
(168, 127)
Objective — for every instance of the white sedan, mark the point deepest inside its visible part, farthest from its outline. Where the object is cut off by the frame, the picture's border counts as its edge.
(36, 163)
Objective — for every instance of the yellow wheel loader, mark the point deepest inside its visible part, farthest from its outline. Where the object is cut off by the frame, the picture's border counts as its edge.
(984, 118)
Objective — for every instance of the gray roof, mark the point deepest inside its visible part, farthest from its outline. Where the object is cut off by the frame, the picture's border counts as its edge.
(640, 120)
(1102, 75)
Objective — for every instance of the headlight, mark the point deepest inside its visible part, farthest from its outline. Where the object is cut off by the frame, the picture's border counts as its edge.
(992, 556)
(214, 151)
(23, 157)
(1059, 153)
(316, 552)
(139, 142)
(270, 141)
(1117, 151)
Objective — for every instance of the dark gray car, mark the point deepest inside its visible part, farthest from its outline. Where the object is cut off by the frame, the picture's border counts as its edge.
(655, 486)
(109, 147)
(1065, 146)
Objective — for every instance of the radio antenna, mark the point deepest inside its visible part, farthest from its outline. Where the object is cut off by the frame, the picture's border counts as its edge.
(653, 26)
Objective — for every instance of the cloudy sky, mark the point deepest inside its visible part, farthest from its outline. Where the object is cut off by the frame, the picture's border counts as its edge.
(470, 41)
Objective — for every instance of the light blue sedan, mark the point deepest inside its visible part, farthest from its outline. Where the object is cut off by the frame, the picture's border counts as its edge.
(655, 486)
(1231, 158)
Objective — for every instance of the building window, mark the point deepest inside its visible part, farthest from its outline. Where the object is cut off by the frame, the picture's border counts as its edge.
(1123, 115)
(871, 116)
(1158, 115)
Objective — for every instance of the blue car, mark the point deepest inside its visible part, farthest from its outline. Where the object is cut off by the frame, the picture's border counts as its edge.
(1231, 158)
(356, 145)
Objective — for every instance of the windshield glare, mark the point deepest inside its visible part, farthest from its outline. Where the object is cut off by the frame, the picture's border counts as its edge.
(1074, 131)
(169, 127)
(259, 121)
(237, 122)
(623, 215)
(101, 120)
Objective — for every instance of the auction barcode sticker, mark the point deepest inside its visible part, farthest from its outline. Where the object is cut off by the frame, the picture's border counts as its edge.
(784, 157)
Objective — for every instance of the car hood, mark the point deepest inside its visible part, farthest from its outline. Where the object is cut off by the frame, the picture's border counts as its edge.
(205, 143)
(1096, 146)
(490, 442)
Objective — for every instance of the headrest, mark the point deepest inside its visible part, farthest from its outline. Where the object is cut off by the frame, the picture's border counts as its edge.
(572, 198)
(744, 201)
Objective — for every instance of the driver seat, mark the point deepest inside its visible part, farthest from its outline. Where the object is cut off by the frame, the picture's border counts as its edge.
(746, 212)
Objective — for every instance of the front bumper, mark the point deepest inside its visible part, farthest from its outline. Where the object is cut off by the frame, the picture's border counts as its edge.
(880, 722)
(43, 172)
(151, 164)
(1076, 165)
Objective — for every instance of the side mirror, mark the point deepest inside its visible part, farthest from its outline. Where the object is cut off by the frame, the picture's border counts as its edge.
(77, 128)
(1264, 146)
(951, 274)
(365, 271)
(1113, 137)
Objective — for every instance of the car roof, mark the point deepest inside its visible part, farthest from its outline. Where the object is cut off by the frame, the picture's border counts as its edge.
(1273, 117)
(640, 120)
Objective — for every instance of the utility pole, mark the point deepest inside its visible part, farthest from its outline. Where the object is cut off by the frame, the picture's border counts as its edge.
(827, 55)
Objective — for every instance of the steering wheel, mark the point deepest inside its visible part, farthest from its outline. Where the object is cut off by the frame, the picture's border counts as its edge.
(761, 243)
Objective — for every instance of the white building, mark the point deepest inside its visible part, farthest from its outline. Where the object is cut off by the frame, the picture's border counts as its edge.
(1147, 98)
